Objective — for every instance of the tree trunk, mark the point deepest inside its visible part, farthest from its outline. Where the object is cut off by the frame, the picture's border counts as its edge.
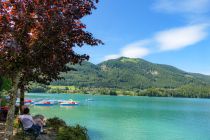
(11, 112)
(22, 99)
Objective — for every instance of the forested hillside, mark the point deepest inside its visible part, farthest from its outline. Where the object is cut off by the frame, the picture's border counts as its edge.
(129, 73)
(129, 76)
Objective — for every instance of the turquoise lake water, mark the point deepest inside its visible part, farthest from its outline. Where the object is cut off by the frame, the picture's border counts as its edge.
(134, 118)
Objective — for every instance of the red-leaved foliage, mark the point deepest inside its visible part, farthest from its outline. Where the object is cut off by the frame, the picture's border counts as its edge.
(37, 37)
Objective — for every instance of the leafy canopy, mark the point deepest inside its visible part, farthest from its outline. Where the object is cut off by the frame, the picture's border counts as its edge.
(37, 37)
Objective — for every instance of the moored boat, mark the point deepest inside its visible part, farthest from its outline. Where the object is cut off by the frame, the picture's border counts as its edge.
(69, 103)
(26, 101)
(44, 103)
(53, 101)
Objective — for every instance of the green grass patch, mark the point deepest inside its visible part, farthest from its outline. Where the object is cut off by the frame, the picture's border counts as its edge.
(133, 60)
(63, 87)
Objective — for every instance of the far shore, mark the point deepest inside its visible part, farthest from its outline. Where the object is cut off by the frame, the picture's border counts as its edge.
(93, 94)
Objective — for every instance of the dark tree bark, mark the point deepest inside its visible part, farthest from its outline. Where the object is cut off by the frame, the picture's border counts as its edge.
(22, 98)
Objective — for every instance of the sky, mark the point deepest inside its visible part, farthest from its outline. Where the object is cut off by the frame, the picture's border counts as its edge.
(172, 32)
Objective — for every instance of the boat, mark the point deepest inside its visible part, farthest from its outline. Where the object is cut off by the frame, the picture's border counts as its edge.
(26, 101)
(53, 101)
(69, 103)
(44, 103)
(60, 101)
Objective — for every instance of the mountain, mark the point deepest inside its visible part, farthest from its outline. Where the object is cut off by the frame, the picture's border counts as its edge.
(129, 74)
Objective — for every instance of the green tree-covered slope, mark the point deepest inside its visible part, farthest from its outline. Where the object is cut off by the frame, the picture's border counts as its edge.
(130, 74)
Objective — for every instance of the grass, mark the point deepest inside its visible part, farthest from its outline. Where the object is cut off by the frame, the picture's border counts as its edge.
(133, 60)
(63, 87)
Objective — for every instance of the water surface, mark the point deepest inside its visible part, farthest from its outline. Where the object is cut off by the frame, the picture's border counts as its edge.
(134, 118)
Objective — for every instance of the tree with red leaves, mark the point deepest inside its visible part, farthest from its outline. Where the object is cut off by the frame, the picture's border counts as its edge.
(37, 38)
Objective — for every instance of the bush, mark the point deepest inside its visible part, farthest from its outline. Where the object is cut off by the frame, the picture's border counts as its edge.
(72, 133)
(55, 123)
(65, 132)
(113, 93)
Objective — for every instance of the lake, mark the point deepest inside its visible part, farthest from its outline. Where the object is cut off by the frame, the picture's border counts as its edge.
(133, 118)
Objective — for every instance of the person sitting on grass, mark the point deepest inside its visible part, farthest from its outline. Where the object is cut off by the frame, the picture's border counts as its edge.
(29, 124)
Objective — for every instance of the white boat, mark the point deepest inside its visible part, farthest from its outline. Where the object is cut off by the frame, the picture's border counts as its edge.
(69, 103)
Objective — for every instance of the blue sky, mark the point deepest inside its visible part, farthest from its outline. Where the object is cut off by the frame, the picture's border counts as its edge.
(173, 32)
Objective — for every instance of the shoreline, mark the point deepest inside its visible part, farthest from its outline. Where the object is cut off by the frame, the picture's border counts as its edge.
(180, 92)
(177, 97)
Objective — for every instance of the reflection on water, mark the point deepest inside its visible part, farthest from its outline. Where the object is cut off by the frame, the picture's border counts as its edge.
(68, 107)
(42, 107)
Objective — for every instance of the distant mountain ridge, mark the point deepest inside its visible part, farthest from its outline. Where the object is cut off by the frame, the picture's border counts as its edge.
(130, 73)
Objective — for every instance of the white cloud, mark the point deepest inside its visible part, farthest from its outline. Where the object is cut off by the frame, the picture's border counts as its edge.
(183, 6)
(112, 56)
(194, 11)
(136, 50)
(168, 40)
(133, 50)
(178, 38)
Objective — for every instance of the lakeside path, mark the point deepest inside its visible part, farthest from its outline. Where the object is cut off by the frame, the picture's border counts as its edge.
(2, 126)
(49, 136)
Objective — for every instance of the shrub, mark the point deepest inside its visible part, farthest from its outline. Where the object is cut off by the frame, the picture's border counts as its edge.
(55, 123)
(65, 132)
(72, 133)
